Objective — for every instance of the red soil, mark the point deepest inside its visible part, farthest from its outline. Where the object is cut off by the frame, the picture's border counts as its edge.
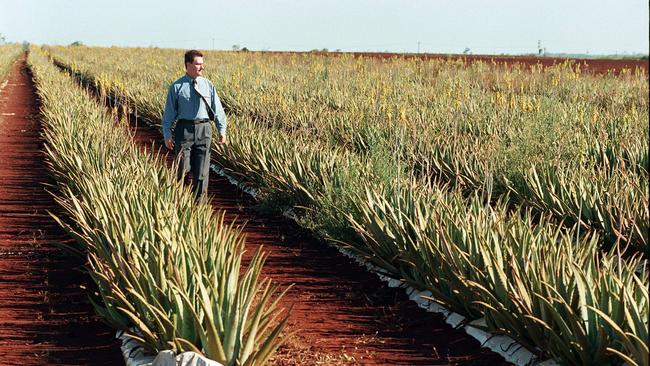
(342, 314)
(45, 316)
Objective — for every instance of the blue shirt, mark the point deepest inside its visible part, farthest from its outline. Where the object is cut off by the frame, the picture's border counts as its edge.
(183, 102)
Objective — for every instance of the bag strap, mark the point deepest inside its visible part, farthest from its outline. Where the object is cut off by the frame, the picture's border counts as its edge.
(210, 111)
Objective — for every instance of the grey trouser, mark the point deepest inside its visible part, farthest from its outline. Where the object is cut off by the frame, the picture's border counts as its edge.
(192, 147)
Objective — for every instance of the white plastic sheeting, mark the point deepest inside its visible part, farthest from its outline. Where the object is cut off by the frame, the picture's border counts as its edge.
(217, 169)
(134, 355)
(133, 352)
(168, 358)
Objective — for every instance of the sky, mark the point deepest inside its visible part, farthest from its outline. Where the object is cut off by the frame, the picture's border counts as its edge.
(433, 26)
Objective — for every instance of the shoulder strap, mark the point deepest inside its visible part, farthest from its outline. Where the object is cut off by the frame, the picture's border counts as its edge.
(210, 111)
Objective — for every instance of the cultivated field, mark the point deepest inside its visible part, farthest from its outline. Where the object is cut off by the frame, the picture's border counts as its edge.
(514, 194)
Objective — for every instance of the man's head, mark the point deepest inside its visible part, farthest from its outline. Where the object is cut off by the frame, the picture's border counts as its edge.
(194, 63)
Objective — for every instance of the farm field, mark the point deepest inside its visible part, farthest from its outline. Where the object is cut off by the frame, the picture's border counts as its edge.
(517, 195)
(341, 112)
(76, 154)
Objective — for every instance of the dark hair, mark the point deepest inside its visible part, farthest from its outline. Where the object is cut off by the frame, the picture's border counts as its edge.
(191, 54)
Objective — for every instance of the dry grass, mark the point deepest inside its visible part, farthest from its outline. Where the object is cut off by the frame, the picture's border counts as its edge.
(298, 351)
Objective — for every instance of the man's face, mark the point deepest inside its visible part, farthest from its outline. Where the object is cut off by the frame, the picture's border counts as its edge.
(195, 68)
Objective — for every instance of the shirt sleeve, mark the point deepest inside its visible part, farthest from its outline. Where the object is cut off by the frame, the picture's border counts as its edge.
(171, 111)
(219, 113)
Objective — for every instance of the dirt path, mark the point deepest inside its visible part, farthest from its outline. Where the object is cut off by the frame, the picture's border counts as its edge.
(342, 314)
(45, 317)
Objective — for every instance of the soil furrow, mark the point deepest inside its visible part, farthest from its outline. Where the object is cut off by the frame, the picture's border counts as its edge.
(45, 316)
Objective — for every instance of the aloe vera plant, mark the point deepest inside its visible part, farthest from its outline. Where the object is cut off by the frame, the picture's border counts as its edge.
(614, 203)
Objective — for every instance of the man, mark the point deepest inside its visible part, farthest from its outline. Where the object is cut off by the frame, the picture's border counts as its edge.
(192, 102)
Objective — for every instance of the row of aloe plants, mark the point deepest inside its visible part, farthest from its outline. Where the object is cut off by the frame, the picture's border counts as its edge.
(478, 127)
(168, 270)
(9, 53)
(545, 286)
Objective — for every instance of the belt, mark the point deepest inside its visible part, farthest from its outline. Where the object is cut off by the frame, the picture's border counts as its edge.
(193, 121)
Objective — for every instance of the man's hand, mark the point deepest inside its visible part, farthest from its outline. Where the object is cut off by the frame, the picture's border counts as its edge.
(222, 139)
(169, 143)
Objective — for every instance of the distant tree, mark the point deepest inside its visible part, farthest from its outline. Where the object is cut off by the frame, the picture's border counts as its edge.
(76, 43)
(236, 47)
(2, 38)
(324, 50)
(244, 49)
(466, 50)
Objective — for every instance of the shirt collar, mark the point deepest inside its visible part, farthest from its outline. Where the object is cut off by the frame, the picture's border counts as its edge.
(189, 78)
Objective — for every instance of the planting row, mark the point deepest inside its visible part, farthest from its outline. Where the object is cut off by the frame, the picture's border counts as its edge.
(542, 282)
(167, 269)
(8, 55)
